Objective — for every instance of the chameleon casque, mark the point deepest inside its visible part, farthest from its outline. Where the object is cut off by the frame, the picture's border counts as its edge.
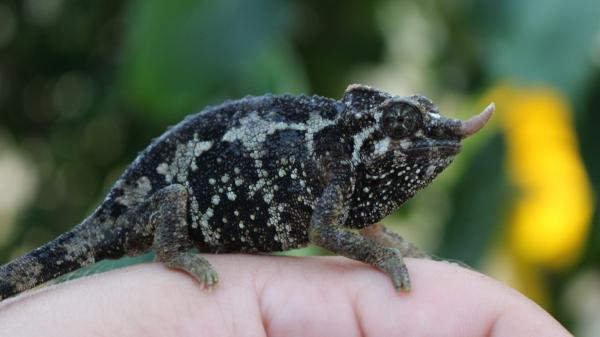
(265, 174)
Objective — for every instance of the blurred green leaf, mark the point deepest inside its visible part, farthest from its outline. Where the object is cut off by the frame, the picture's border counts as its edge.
(590, 143)
(534, 41)
(479, 205)
(183, 55)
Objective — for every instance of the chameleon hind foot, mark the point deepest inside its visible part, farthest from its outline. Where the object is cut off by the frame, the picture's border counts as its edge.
(195, 265)
(172, 242)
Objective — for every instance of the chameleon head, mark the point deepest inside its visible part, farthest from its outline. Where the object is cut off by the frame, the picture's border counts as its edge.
(413, 126)
(402, 142)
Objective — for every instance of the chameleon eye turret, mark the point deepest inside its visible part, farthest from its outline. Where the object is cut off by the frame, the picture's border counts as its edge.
(400, 119)
(264, 174)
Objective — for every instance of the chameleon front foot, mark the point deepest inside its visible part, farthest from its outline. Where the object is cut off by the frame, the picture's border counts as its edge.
(326, 233)
(195, 265)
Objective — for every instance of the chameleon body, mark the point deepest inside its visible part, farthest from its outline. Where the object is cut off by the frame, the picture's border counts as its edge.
(265, 174)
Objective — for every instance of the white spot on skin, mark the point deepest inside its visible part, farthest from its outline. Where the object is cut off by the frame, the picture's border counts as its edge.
(183, 160)
(162, 168)
(195, 211)
(405, 144)
(430, 170)
(252, 189)
(215, 199)
(210, 235)
(225, 178)
(231, 196)
(133, 195)
(314, 124)
(382, 146)
(359, 139)
(275, 220)
(253, 130)
(211, 181)
(201, 146)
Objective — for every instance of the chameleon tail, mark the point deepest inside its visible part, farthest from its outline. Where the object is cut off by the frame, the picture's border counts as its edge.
(82, 246)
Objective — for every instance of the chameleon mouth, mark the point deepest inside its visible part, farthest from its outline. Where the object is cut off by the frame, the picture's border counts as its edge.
(448, 148)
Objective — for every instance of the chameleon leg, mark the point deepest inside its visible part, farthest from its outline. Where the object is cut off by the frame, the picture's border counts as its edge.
(380, 234)
(324, 231)
(171, 239)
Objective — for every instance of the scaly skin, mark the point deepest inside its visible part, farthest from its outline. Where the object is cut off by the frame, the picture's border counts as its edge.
(265, 174)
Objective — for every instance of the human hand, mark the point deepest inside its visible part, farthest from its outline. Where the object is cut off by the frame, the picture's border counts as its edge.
(278, 296)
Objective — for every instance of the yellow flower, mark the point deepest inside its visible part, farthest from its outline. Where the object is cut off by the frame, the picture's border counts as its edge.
(552, 212)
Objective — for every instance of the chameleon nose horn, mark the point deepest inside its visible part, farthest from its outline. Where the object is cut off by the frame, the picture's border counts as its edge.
(475, 123)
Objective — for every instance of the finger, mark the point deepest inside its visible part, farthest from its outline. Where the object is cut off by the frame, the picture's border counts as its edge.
(279, 296)
(345, 298)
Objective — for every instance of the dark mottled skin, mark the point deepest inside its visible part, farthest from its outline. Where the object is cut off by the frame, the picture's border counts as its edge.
(263, 174)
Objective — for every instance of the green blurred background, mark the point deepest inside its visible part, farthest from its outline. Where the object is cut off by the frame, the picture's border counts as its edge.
(85, 85)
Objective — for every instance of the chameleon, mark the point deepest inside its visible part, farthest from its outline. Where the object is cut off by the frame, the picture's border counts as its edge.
(265, 174)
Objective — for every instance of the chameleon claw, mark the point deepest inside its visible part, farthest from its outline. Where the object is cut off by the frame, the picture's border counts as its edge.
(207, 277)
(405, 286)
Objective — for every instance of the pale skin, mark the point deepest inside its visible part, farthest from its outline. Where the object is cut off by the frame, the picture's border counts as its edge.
(278, 296)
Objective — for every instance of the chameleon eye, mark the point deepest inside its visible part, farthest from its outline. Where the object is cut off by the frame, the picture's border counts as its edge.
(400, 120)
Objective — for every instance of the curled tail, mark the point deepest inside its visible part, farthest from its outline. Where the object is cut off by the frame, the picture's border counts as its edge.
(82, 246)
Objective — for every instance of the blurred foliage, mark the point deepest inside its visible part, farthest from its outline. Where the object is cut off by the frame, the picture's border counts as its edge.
(84, 86)
(479, 207)
(181, 55)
